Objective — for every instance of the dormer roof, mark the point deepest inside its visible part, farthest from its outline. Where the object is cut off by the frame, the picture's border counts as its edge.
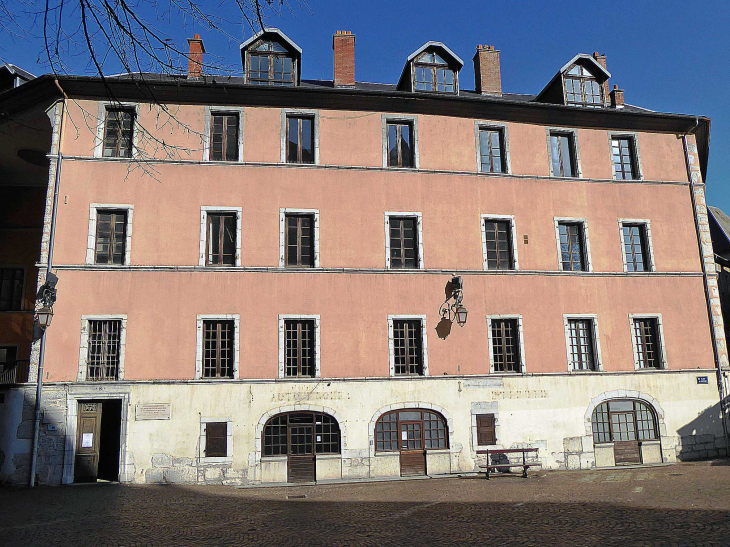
(451, 58)
(276, 35)
(553, 91)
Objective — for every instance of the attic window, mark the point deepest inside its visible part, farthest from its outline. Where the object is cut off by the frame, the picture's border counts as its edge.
(269, 63)
(432, 73)
(582, 89)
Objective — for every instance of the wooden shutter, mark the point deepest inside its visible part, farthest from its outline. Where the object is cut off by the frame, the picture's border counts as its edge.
(216, 439)
(485, 430)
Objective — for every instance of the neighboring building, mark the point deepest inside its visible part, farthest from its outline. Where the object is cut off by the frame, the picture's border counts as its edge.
(12, 76)
(249, 292)
(720, 234)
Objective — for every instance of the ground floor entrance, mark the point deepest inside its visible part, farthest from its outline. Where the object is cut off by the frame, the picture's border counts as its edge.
(98, 433)
(625, 423)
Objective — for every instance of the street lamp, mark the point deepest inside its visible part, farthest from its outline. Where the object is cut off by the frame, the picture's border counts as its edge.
(454, 310)
(44, 317)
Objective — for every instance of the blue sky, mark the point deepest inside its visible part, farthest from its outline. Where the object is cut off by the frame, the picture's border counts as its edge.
(668, 56)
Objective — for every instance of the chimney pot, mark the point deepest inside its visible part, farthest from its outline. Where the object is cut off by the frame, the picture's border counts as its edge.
(487, 73)
(195, 56)
(343, 44)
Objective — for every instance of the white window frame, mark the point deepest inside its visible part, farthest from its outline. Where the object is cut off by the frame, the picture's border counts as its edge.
(282, 234)
(391, 344)
(101, 124)
(199, 343)
(84, 344)
(634, 137)
(211, 111)
(513, 239)
(282, 346)
(518, 317)
(94, 209)
(576, 151)
(202, 458)
(480, 408)
(647, 232)
(400, 118)
(419, 224)
(204, 210)
(597, 358)
(660, 334)
(286, 112)
(493, 126)
(586, 243)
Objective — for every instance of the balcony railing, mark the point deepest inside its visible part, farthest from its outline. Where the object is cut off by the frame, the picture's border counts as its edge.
(15, 372)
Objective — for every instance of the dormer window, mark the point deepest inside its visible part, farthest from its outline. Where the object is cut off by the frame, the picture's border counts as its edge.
(582, 89)
(432, 73)
(270, 64)
(270, 58)
(433, 68)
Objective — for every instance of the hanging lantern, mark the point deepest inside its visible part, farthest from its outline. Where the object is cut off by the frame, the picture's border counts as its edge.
(461, 313)
(44, 316)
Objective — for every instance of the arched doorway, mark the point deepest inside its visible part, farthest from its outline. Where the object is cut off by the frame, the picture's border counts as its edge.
(301, 436)
(626, 423)
(411, 431)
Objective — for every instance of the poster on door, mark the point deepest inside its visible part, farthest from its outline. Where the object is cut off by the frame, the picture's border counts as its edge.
(87, 440)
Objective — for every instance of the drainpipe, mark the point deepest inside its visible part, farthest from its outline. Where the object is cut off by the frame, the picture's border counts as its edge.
(49, 265)
(708, 303)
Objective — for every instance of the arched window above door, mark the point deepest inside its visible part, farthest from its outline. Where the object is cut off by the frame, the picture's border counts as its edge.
(410, 429)
(624, 420)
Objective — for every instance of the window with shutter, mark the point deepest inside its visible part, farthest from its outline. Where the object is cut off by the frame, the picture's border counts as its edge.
(486, 434)
(216, 439)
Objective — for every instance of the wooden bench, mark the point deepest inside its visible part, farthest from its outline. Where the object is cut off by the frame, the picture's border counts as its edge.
(525, 465)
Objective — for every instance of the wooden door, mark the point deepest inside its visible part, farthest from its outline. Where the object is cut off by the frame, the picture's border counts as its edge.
(412, 454)
(625, 444)
(86, 467)
(300, 463)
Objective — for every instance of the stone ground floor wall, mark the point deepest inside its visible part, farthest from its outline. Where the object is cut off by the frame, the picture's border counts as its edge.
(548, 412)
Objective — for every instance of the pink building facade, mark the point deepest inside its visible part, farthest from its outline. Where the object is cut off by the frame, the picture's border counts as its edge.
(250, 277)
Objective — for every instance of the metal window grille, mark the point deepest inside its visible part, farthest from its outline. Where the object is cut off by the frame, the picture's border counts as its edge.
(635, 247)
(647, 343)
(216, 439)
(218, 349)
(400, 144)
(111, 237)
(412, 422)
(404, 242)
(300, 348)
(572, 253)
(499, 245)
(102, 362)
(299, 241)
(621, 420)
(407, 347)
(580, 334)
(490, 148)
(300, 139)
(221, 239)
(118, 131)
(326, 433)
(563, 155)
(505, 345)
(11, 289)
(224, 137)
(623, 158)
(486, 434)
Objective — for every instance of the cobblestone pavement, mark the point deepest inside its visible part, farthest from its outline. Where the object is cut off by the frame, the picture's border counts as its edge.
(685, 504)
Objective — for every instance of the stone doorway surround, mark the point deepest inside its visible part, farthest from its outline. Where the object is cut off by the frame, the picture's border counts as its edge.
(95, 392)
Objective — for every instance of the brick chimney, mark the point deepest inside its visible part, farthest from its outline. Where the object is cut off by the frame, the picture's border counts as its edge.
(617, 97)
(195, 57)
(487, 75)
(601, 60)
(343, 44)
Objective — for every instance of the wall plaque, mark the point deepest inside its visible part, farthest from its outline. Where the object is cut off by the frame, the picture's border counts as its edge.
(152, 411)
